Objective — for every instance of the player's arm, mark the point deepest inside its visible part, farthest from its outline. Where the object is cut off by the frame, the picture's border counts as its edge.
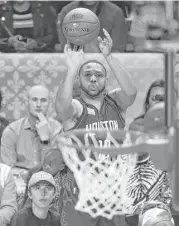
(126, 94)
(65, 106)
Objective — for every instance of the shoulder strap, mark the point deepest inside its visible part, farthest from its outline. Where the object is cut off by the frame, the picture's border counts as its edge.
(119, 109)
(5, 169)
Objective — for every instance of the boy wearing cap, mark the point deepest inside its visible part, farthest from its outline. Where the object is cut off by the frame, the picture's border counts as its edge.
(41, 191)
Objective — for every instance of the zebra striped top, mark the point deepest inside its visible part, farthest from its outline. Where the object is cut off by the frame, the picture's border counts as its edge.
(146, 183)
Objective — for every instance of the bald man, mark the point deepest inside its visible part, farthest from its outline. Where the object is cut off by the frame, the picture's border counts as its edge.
(25, 141)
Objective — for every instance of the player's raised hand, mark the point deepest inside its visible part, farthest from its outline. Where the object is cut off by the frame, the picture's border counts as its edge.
(74, 56)
(43, 128)
(105, 45)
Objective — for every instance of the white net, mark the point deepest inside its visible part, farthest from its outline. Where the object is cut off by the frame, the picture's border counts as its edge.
(101, 179)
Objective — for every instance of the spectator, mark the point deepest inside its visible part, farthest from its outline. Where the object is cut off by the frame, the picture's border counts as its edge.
(64, 181)
(3, 121)
(95, 109)
(8, 203)
(111, 19)
(27, 26)
(156, 213)
(23, 139)
(152, 184)
(41, 191)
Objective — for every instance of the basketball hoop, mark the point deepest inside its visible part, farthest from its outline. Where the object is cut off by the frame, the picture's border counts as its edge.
(102, 162)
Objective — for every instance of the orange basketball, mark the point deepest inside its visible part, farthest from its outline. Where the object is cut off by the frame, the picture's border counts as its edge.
(80, 26)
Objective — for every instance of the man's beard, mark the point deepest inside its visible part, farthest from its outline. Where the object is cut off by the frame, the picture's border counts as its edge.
(93, 96)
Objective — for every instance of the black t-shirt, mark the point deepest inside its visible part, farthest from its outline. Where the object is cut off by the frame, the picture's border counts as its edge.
(25, 217)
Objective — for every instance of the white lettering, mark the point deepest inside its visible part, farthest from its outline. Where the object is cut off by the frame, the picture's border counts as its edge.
(109, 125)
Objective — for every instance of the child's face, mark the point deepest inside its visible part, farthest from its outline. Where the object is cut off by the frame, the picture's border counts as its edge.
(53, 162)
(42, 194)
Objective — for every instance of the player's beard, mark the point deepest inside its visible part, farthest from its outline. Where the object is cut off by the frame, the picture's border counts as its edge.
(93, 95)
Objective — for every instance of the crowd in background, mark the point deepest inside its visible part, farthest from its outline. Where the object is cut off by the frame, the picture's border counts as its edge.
(36, 26)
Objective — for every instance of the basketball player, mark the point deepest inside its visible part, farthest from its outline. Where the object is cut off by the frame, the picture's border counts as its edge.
(95, 108)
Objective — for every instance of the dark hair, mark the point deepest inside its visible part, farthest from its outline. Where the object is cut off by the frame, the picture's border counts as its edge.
(92, 61)
(158, 83)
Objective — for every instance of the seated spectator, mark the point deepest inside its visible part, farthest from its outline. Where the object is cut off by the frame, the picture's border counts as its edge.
(8, 203)
(27, 26)
(25, 141)
(64, 180)
(3, 121)
(41, 191)
(111, 18)
(148, 183)
(151, 23)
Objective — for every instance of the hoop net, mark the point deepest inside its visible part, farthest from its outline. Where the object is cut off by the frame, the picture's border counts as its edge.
(100, 170)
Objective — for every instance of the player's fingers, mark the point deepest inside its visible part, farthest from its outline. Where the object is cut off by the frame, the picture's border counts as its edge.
(99, 39)
(106, 33)
(108, 37)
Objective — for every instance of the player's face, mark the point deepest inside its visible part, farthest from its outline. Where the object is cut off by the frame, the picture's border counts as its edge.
(156, 94)
(38, 102)
(93, 79)
(42, 194)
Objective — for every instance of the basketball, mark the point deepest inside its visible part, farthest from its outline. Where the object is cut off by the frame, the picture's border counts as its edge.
(80, 26)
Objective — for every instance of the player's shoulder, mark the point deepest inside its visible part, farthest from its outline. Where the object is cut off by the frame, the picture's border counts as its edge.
(77, 103)
(77, 107)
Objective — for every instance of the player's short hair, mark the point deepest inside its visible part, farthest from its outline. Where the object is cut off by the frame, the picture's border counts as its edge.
(92, 61)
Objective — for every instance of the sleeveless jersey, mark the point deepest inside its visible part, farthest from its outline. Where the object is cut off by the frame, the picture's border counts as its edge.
(109, 117)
